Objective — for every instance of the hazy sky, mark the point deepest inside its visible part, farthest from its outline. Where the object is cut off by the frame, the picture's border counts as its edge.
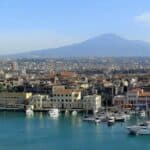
(34, 24)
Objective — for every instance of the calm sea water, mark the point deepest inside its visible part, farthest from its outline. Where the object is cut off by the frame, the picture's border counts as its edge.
(18, 132)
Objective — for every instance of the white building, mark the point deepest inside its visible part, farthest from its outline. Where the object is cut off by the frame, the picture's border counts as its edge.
(66, 99)
(92, 102)
(138, 97)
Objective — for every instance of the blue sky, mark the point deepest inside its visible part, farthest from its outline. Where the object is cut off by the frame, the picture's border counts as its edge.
(35, 24)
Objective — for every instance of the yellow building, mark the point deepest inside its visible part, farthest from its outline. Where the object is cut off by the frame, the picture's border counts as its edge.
(11, 100)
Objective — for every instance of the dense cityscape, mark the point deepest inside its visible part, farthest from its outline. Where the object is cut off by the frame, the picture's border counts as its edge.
(78, 84)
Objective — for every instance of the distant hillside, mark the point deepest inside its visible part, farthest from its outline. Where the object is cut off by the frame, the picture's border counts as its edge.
(104, 45)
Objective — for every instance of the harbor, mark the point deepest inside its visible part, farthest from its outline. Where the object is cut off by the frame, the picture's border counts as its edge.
(65, 132)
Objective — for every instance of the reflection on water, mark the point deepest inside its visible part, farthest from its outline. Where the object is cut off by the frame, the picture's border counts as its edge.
(41, 115)
(29, 116)
(76, 121)
(40, 131)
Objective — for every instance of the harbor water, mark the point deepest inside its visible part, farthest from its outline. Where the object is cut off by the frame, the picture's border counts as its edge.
(40, 132)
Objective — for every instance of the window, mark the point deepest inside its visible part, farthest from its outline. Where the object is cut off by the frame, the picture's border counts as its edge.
(75, 95)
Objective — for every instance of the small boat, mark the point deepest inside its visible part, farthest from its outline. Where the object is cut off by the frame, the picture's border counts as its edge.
(120, 118)
(66, 112)
(29, 112)
(111, 120)
(97, 120)
(127, 116)
(92, 119)
(74, 113)
(141, 129)
(132, 112)
(103, 118)
(87, 118)
(142, 113)
(54, 113)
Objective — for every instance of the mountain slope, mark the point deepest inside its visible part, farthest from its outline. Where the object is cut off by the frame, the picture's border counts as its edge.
(104, 45)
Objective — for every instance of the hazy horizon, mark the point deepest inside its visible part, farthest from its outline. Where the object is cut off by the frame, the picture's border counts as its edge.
(38, 24)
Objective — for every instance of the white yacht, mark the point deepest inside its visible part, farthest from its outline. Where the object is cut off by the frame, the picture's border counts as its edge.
(54, 112)
(141, 129)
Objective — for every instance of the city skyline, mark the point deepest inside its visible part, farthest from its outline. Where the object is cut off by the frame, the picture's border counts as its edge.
(31, 25)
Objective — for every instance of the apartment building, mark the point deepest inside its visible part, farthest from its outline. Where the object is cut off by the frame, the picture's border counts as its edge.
(63, 99)
(92, 102)
(138, 97)
(10, 100)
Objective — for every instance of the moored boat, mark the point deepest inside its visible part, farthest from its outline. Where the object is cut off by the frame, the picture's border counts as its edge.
(29, 110)
(142, 113)
(54, 112)
(119, 118)
(141, 129)
(87, 118)
(74, 113)
(97, 120)
(111, 120)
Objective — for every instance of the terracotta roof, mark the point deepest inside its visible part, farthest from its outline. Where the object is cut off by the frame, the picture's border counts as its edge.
(67, 74)
(144, 94)
(65, 91)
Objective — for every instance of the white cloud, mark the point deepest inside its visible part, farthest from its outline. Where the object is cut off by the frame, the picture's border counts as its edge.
(143, 18)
